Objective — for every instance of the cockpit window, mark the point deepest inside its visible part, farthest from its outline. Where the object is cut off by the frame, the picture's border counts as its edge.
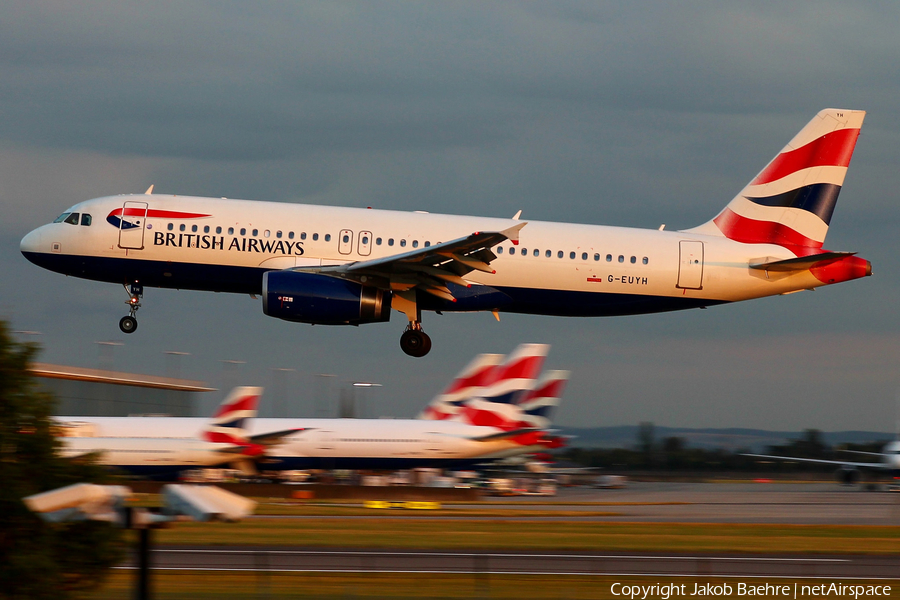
(86, 219)
(61, 218)
(72, 219)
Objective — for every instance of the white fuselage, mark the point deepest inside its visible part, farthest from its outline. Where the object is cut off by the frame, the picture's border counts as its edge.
(555, 268)
(328, 443)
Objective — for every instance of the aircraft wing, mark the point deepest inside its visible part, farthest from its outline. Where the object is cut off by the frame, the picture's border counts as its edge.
(842, 463)
(503, 435)
(274, 437)
(429, 269)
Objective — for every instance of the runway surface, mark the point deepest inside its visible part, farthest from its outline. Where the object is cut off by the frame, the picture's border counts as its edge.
(777, 503)
(299, 559)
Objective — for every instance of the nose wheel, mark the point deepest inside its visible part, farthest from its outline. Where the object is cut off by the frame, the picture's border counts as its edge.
(414, 341)
(135, 293)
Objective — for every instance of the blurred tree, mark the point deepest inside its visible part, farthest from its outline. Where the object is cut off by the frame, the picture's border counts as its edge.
(38, 559)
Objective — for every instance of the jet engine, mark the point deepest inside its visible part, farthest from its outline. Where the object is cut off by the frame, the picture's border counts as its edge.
(323, 300)
(847, 475)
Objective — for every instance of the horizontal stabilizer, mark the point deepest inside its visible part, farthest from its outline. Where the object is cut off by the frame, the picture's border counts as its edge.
(801, 263)
(503, 435)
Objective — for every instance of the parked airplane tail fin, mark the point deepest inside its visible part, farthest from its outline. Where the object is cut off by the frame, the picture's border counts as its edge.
(538, 404)
(466, 385)
(790, 202)
(228, 424)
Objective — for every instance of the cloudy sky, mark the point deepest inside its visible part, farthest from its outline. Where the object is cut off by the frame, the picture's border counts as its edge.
(589, 112)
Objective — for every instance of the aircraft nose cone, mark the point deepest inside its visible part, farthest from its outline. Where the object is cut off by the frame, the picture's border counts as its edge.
(31, 242)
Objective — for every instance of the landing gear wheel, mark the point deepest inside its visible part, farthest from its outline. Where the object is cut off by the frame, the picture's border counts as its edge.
(127, 324)
(415, 342)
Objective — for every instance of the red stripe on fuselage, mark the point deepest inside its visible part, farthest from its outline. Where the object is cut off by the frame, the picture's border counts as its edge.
(750, 231)
(831, 150)
(159, 214)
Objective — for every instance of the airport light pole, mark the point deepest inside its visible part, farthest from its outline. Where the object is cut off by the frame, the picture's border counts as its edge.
(364, 385)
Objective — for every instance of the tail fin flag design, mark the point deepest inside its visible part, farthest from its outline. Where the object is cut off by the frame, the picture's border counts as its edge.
(791, 201)
(467, 384)
(539, 403)
(228, 426)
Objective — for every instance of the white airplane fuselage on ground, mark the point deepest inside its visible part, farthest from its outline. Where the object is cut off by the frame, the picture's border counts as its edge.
(332, 443)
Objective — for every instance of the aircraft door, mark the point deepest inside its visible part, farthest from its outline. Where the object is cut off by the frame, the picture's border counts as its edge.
(132, 222)
(365, 243)
(345, 241)
(690, 265)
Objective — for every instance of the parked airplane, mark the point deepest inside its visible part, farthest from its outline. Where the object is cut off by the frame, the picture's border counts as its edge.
(348, 266)
(371, 443)
(849, 471)
(223, 440)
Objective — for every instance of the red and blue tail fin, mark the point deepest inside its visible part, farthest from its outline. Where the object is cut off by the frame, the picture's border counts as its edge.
(228, 426)
(791, 201)
(467, 384)
(538, 404)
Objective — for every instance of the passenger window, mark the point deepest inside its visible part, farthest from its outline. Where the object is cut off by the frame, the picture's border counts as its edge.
(596, 257)
(72, 219)
(609, 258)
(559, 254)
(524, 251)
(365, 240)
(621, 258)
(415, 243)
(194, 228)
(61, 218)
(377, 241)
(537, 252)
(315, 237)
(403, 243)
(255, 232)
(346, 239)
(327, 237)
(584, 256)
(278, 234)
(633, 259)
(302, 235)
(390, 241)
(499, 249)
(219, 229)
(206, 229)
(548, 254)
(572, 255)
(182, 227)
(230, 230)
(267, 233)
(243, 231)
(427, 244)
(645, 260)
(86, 219)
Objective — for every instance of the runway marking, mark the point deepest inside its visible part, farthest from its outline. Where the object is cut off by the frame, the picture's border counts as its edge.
(574, 573)
(503, 555)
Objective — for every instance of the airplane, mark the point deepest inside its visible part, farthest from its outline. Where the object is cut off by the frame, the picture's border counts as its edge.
(383, 444)
(351, 266)
(849, 472)
(222, 440)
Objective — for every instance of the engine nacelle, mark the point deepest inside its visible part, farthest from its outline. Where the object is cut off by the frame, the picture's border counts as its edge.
(322, 300)
(847, 475)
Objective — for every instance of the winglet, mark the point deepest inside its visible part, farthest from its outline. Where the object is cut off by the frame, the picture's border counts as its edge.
(512, 234)
(149, 190)
(517, 215)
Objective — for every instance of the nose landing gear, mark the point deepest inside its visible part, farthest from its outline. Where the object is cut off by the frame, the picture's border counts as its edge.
(414, 341)
(135, 293)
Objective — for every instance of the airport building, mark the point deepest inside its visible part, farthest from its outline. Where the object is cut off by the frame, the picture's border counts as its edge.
(97, 392)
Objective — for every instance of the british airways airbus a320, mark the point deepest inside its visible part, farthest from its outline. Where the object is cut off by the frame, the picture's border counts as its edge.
(348, 266)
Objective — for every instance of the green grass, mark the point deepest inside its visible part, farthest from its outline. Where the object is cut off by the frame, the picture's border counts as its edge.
(515, 534)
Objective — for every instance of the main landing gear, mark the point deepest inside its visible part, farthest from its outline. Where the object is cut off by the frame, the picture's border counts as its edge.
(135, 293)
(414, 341)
